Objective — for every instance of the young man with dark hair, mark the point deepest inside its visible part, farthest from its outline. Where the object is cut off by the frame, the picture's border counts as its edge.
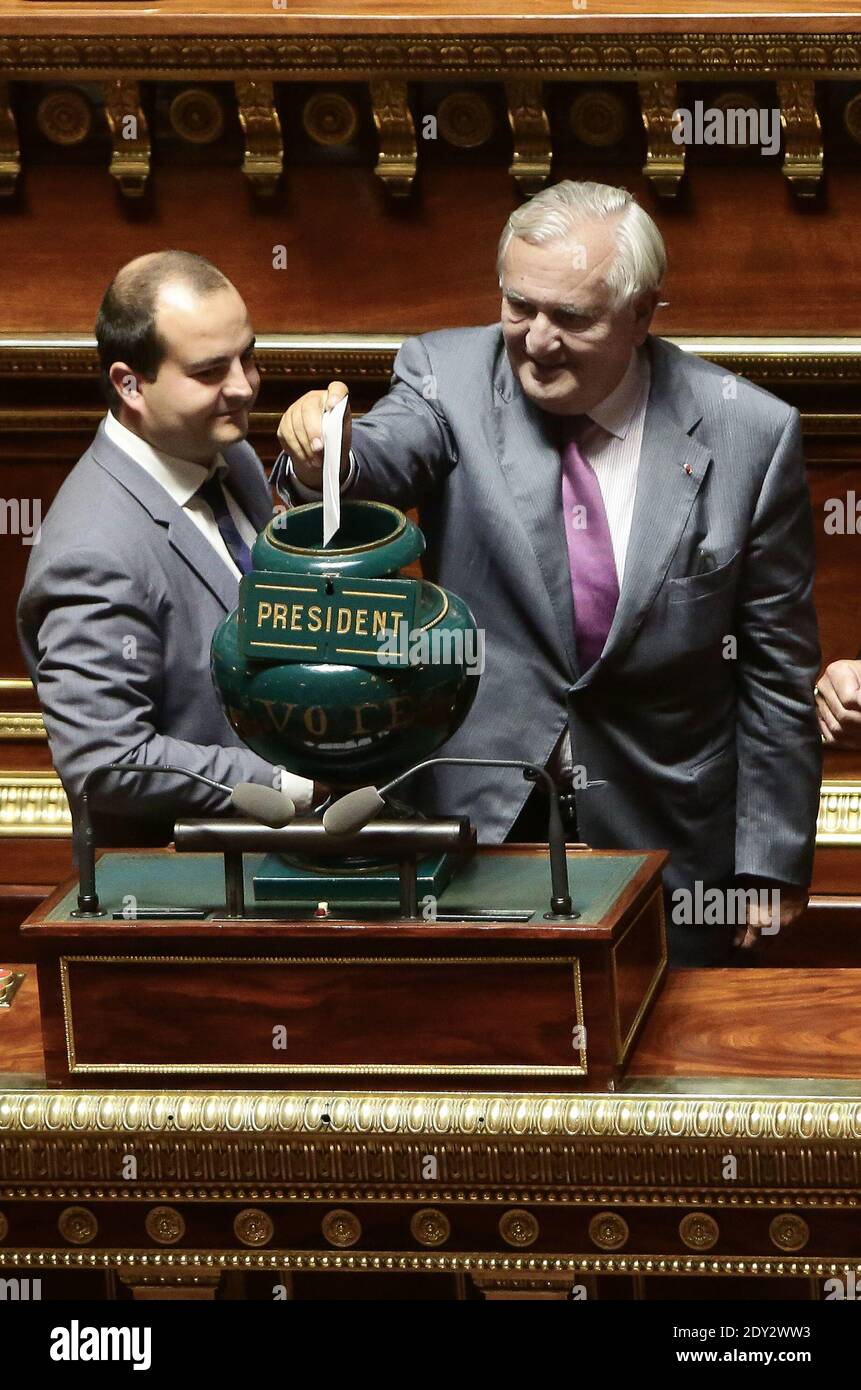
(140, 556)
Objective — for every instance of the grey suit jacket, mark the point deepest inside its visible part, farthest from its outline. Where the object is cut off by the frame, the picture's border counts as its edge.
(121, 598)
(696, 730)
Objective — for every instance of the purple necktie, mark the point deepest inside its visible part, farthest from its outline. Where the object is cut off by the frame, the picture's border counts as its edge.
(594, 582)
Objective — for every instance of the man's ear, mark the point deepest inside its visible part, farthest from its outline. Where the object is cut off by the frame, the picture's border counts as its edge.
(644, 311)
(125, 382)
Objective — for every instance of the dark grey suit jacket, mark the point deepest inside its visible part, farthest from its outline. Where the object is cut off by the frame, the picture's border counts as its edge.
(121, 598)
(693, 743)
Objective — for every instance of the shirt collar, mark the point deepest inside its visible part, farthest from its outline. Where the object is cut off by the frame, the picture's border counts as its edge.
(180, 478)
(616, 412)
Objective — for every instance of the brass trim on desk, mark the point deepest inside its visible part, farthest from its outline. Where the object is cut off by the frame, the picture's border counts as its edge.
(423, 55)
(767, 1117)
(143, 1260)
(77, 1068)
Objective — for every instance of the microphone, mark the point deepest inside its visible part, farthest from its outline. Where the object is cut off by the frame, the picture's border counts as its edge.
(347, 816)
(273, 808)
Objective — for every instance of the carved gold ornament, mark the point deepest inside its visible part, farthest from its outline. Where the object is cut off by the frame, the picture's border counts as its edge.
(518, 1228)
(341, 1228)
(789, 1231)
(165, 1225)
(253, 1227)
(197, 116)
(699, 1231)
(430, 1227)
(608, 1230)
(65, 117)
(77, 1225)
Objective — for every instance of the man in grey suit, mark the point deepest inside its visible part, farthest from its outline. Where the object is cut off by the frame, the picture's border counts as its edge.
(632, 529)
(140, 556)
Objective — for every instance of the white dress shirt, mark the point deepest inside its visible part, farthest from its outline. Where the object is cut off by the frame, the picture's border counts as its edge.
(180, 479)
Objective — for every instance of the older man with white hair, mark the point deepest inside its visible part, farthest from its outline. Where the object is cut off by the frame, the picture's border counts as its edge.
(632, 529)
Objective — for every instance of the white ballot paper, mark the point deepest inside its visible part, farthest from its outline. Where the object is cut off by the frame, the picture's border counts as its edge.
(333, 431)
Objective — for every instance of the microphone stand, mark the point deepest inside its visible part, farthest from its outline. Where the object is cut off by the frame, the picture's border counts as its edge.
(560, 901)
(83, 834)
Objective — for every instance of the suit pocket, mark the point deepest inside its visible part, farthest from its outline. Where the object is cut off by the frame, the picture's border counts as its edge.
(715, 779)
(698, 586)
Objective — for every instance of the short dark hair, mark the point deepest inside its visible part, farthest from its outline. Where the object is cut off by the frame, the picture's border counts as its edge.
(125, 325)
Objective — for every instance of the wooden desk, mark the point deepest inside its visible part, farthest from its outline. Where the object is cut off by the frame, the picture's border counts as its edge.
(720, 1157)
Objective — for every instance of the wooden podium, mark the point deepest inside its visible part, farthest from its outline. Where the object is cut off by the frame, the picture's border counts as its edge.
(499, 996)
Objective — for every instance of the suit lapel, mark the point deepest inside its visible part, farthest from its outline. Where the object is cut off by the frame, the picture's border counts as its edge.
(182, 534)
(672, 469)
(529, 457)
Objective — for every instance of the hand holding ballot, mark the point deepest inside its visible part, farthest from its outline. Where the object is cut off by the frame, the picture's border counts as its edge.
(301, 433)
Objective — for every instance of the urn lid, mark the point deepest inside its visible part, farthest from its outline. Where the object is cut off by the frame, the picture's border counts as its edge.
(373, 539)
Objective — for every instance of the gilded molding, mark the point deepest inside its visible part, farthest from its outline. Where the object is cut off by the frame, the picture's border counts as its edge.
(804, 158)
(130, 161)
(665, 160)
(411, 1116)
(398, 157)
(428, 55)
(33, 803)
(261, 125)
(21, 725)
(134, 1263)
(530, 129)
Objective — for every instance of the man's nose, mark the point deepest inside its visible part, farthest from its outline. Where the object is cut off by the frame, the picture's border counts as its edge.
(237, 384)
(542, 337)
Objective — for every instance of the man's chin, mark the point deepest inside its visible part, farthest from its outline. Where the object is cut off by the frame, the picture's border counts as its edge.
(553, 394)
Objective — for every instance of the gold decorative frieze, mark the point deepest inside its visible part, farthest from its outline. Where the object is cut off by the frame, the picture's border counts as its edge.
(130, 160)
(195, 1264)
(33, 803)
(530, 128)
(839, 820)
(412, 1117)
(665, 160)
(10, 150)
(398, 157)
(19, 725)
(151, 54)
(261, 126)
(804, 159)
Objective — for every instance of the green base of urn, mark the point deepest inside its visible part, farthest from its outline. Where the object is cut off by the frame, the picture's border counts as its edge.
(279, 880)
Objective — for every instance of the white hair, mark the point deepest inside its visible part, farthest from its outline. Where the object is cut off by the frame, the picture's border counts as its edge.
(556, 213)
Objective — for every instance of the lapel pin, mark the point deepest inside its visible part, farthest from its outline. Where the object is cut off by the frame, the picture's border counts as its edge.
(688, 469)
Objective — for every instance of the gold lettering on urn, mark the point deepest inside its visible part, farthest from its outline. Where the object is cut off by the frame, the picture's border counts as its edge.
(316, 721)
(403, 709)
(281, 721)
